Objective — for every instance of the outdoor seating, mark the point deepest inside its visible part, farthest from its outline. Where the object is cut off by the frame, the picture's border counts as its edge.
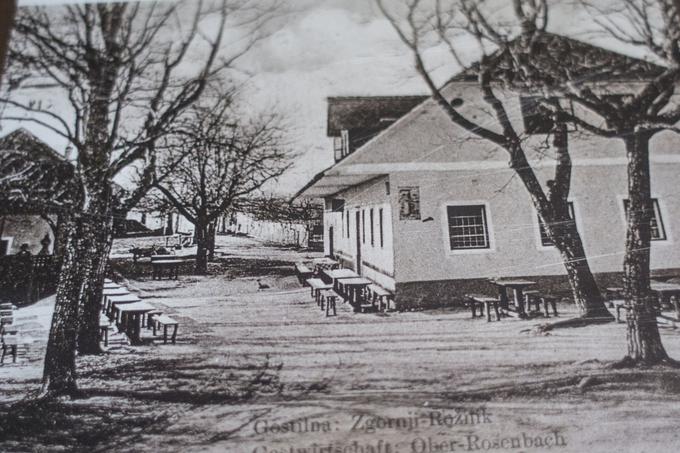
(10, 340)
(548, 299)
(329, 302)
(7, 313)
(169, 263)
(165, 322)
(317, 285)
(484, 303)
(303, 273)
(104, 326)
(380, 296)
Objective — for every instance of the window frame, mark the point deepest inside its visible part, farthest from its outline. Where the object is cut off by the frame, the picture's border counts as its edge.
(371, 227)
(659, 209)
(537, 230)
(572, 209)
(9, 240)
(571, 127)
(491, 248)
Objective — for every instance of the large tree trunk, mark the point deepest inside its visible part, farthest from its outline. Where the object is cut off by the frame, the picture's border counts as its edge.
(553, 209)
(59, 373)
(644, 341)
(201, 235)
(584, 288)
(8, 10)
(211, 240)
(88, 340)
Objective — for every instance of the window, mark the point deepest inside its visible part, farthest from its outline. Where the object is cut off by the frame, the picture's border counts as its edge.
(468, 227)
(5, 244)
(380, 221)
(537, 118)
(363, 226)
(370, 219)
(657, 230)
(348, 225)
(545, 240)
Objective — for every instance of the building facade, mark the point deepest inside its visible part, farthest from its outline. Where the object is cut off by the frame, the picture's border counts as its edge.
(431, 212)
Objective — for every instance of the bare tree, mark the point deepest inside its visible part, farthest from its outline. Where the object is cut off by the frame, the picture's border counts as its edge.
(126, 72)
(454, 24)
(634, 114)
(7, 12)
(279, 210)
(227, 158)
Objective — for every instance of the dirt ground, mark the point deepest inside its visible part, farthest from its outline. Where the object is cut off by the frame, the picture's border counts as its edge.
(264, 371)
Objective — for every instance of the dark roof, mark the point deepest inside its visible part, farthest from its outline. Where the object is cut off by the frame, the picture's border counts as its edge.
(562, 58)
(21, 139)
(35, 177)
(367, 112)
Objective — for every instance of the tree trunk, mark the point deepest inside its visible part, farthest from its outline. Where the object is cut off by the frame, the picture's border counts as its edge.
(169, 225)
(201, 235)
(553, 210)
(644, 341)
(211, 240)
(584, 288)
(59, 373)
(88, 339)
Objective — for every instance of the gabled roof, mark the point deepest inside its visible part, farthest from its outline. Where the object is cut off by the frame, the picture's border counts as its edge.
(566, 58)
(21, 139)
(35, 177)
(367, 112)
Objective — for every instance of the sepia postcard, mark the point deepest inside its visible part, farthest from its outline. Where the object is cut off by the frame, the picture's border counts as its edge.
(340, 226)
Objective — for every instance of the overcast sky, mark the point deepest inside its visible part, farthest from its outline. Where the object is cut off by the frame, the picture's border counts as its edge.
(331, 48)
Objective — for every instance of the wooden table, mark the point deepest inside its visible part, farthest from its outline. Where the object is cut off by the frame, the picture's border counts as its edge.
(352, 288)
(110, 292)
(668, 293)
(131, 319)
(322, 264)
(171, 264)
(113, 301)
(336, 274)
(109, 285)
(517, 286)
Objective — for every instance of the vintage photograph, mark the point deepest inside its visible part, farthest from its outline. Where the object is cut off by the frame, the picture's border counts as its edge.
(340, 226)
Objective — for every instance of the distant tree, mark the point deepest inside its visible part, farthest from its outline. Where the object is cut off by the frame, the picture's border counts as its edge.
(280, 210)
(126, 71)
(227, 159)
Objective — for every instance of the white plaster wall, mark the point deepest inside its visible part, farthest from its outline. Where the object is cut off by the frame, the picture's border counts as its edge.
(378, 262)
(422, 251)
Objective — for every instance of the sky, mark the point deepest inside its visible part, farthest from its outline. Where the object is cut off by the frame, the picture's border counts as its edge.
(331, 48)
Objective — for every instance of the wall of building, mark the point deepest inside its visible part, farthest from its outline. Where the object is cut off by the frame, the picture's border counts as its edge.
(25, 229)
(423, 252)
(377, 258)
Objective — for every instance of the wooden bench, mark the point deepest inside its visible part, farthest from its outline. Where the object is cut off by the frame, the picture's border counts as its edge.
(484, 303)
(10, 341)
(380, 295)
(171, 262)
(329, 301)
(317, 285)
(165, 322)
(104, 330)
(303, 273)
